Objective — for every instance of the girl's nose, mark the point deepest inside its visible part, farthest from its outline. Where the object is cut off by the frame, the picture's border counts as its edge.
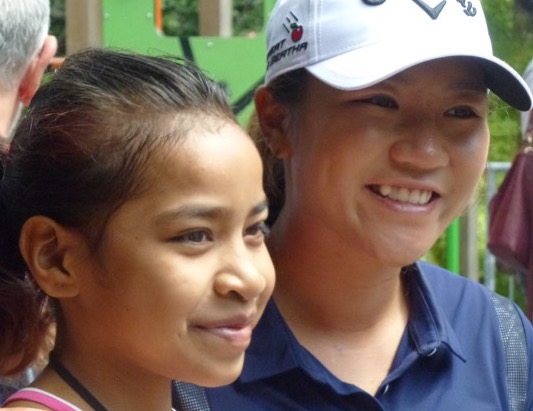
(241, 275)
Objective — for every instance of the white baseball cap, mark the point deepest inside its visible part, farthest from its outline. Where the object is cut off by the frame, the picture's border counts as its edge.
(353, 44)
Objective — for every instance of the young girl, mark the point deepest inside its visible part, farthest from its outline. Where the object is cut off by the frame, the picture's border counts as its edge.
(132, 217)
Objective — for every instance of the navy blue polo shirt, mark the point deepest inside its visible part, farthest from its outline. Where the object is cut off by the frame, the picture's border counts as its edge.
(450, 358)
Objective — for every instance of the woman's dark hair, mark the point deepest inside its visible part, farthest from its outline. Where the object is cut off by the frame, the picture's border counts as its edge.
(287, 90)
(80, 152)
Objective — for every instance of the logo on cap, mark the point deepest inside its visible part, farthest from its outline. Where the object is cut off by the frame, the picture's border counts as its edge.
(295, 30)
(280, 50)
(432, 12)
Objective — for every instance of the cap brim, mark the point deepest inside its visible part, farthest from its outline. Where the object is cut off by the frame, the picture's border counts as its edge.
(503, 81)
(339, 72)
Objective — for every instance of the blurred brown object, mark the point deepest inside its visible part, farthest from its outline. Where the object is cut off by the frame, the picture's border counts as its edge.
(56, 62)
(510, 237)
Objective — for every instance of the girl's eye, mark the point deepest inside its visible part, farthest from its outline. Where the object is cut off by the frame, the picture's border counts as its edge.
(462, 112)
(259, 230)
(194, 237)
(382, 100)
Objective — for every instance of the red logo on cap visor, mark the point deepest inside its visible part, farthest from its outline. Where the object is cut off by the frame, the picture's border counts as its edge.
(296, 30)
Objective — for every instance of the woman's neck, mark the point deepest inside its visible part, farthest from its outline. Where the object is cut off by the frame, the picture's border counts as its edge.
(350, 313)
(330, 282)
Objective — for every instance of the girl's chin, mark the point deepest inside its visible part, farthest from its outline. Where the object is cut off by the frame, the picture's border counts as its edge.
(224, 373)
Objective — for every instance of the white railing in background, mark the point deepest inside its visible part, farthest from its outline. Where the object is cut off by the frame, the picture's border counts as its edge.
(492, 170)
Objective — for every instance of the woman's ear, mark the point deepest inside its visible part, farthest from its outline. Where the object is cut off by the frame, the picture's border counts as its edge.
(51, 251)
(272, 118)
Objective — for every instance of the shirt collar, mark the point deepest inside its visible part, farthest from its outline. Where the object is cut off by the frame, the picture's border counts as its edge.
(428, 325)
(271, 350)
(275, 350)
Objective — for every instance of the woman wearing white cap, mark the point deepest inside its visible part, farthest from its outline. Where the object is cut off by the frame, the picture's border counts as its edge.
(376, 114)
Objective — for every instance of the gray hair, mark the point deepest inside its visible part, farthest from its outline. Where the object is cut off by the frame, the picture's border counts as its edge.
(24, 25)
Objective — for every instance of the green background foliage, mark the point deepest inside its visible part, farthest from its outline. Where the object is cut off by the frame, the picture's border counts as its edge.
(511, 29)
(180, 17)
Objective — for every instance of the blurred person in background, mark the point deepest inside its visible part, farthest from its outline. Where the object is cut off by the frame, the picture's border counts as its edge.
(26, 50)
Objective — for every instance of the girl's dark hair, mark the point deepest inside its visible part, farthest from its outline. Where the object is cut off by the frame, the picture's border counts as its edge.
(287, 90)
(80, 152)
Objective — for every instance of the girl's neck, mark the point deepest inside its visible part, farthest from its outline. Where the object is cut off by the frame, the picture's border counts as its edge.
(112, 391)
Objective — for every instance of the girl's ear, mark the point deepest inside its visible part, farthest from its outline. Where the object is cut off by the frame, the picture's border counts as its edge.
(51, 253)
(273, 121)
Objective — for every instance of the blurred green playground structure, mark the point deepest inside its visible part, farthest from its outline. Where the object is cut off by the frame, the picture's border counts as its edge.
(236, 61)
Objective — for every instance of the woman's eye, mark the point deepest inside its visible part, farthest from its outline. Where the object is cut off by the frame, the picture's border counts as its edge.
(195, 237)
(258, 230)
(462, 112)
(382, 101)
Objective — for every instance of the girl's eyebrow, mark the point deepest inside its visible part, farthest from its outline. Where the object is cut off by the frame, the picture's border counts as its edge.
(259, 208)
(190, 211)
(203, 211)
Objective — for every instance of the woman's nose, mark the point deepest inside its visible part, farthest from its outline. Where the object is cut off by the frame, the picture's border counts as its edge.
(419, 149)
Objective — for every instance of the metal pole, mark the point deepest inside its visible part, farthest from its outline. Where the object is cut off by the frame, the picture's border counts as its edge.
(469, 266)
(490, 262)
(215, 18)
(83, 24)
(453, 242)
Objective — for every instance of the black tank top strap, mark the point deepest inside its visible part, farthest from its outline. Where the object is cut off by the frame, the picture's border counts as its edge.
(75, 384)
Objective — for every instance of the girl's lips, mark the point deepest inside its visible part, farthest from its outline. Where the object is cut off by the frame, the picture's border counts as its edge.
(237, 330)
(237, 337)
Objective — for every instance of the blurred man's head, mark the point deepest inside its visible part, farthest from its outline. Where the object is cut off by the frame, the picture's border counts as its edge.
(25, 51)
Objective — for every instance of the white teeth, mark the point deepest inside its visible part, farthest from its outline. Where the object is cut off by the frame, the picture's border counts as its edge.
(404, 195)
(385, 190)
